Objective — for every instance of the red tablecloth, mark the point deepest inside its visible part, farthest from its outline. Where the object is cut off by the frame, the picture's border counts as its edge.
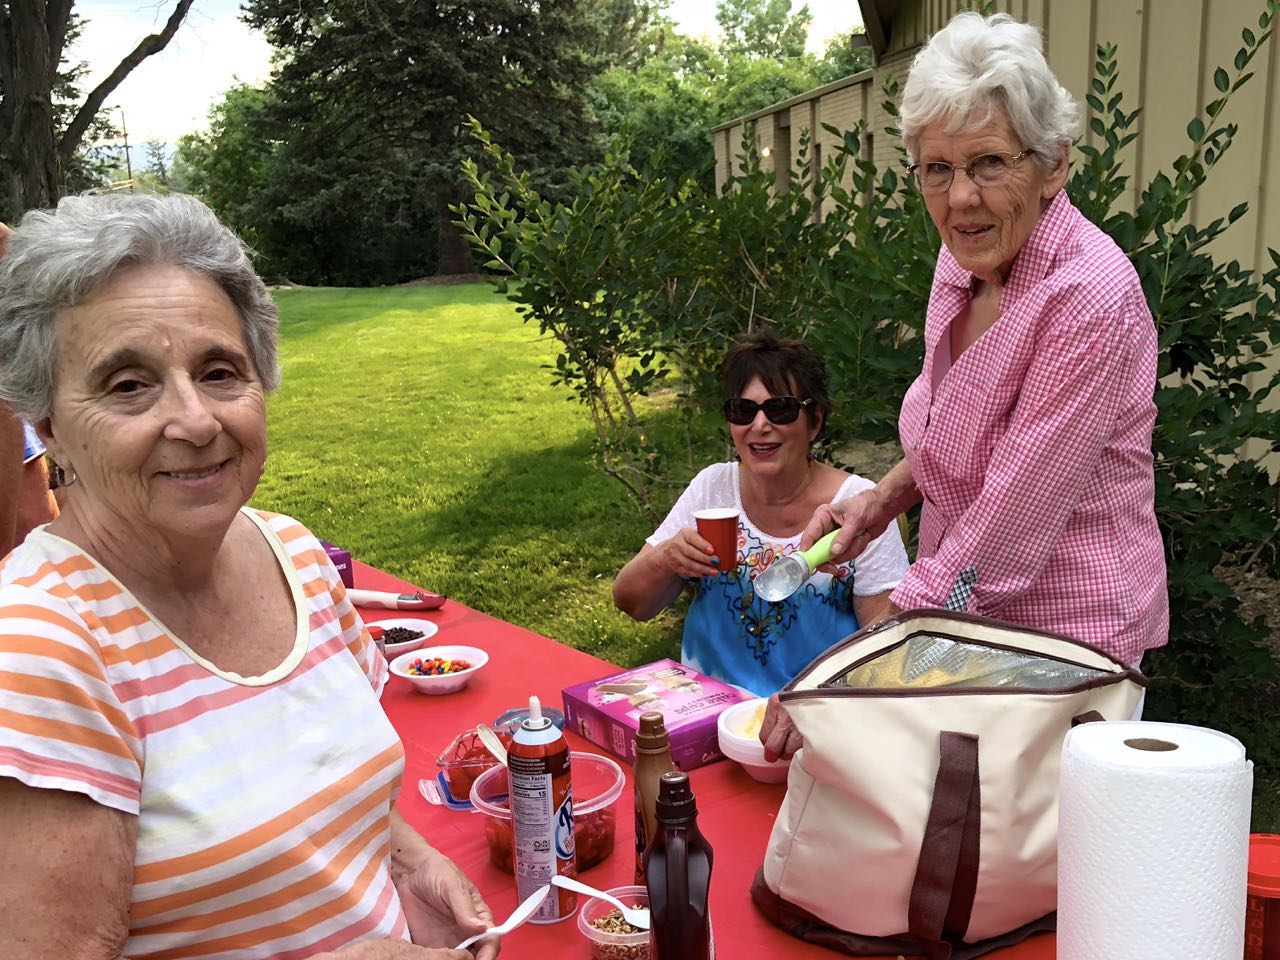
(735, 812)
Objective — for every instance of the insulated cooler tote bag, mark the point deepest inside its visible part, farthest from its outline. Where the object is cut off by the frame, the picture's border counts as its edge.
(921, 814)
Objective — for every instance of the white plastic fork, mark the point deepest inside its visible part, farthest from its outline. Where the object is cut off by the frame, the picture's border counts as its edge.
(518, 916)
(636, 916)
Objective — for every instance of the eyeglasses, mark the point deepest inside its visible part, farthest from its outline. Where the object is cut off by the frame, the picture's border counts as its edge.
(740, 411)
(988, 170)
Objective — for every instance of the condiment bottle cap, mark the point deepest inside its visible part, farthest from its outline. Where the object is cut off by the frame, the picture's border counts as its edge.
(535, 720)
(652, 734)
(675, 798)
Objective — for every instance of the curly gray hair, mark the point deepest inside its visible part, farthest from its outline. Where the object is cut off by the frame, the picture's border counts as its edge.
(60, 258)
(976, 64)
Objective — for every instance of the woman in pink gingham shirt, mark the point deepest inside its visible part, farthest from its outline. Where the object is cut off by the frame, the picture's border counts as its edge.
(1027, 434)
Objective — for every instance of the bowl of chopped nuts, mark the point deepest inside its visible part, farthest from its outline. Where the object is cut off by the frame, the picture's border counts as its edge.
(611, 937)
(443, 669)
(402, 634)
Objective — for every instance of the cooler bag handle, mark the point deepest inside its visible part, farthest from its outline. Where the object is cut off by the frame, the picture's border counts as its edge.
(947, 873)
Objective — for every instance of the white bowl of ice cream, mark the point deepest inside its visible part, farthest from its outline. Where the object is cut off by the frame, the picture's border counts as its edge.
(739, 731)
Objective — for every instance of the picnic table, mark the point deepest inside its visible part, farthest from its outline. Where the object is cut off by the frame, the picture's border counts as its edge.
(735, 812)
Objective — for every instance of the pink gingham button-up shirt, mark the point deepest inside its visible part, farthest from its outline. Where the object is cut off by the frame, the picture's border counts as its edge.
(1033, 449)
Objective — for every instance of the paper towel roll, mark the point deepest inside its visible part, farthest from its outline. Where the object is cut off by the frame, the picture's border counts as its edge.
(1153, 843)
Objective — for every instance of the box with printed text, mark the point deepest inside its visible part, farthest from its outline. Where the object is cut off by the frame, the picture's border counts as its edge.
(607, 711)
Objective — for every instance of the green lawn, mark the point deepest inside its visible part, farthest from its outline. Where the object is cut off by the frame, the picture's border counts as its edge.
(417, 428)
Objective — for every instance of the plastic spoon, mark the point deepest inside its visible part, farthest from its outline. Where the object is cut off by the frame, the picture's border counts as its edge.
(518, 916)
(491, 742)
(636, 916)
(785, 576)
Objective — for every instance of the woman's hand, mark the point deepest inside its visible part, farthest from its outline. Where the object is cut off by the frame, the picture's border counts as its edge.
(864, 517)
(687, 554)
(860, 518)
(443, 907)
(778, 733)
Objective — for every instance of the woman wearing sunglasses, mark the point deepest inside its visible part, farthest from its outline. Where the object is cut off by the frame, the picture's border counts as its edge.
(776, 407)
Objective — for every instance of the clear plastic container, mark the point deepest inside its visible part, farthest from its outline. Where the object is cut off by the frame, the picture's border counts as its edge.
(614, 946)
(465, 759)
(597, 784)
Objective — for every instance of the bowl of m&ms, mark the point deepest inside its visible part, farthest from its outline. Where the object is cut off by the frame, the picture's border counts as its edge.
(436, 670)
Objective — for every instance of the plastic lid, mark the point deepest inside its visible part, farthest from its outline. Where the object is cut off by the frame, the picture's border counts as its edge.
(1264, 864)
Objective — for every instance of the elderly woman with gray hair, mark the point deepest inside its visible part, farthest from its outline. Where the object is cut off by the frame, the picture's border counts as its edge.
(1027, 434)
(193, 760)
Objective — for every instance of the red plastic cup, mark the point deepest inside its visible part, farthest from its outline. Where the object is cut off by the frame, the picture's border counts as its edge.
(719, 527)
(1262, 917)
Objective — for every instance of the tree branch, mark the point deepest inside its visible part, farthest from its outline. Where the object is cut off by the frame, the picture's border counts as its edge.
(153, 43)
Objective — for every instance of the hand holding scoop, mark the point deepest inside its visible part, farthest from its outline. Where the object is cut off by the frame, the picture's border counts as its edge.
(785, 576)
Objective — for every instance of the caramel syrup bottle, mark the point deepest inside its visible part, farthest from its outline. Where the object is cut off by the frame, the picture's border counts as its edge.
(653, 759)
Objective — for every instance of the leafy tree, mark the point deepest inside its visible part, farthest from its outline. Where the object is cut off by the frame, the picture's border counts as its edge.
(226, 165)
(158, 161)
(368, 100)
(763, 28)
(629, 32)
(39, 142)
(844, 57)
(667, 105)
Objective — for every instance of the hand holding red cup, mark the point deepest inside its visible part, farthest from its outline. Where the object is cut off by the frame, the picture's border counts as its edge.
(719, 527)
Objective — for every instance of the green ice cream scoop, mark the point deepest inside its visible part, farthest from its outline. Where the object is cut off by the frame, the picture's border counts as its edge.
(785, 576)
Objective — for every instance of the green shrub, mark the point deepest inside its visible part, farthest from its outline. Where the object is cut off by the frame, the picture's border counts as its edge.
(1217, 325)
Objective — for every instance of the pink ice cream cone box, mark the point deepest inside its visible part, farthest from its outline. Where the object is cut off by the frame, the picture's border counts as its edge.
(607, 711)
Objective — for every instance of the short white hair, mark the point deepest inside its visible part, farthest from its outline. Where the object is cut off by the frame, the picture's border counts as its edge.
(976, 65)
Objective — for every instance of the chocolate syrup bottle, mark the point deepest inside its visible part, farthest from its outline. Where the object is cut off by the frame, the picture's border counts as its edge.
(653, 759)
(677, 869)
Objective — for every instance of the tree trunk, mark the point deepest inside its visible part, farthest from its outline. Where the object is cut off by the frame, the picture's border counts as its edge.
(27, 141)
(453, 254)
(32, 150)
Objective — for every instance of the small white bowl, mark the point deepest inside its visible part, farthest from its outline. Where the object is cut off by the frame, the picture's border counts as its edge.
(445, 683)
(425, 627)
(746, 749)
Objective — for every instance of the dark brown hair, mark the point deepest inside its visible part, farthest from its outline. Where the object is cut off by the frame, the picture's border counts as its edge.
(785, 367)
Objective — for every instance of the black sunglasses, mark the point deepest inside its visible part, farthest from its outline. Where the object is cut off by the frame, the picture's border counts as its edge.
(741, 411)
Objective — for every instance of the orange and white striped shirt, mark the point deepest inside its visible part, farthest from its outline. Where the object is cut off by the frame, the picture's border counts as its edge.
(263, 803)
